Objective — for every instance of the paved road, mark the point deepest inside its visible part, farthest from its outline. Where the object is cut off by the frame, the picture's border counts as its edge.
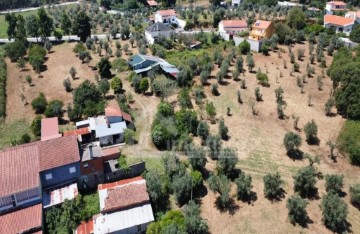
(35, 8)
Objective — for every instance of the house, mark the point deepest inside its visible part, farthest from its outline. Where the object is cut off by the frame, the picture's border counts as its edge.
(335, 6)
(27, 220)
(289, 4)
(124, 207)
(157, 30)
(228, 28)
(49, 128)
(151, 3)
(235, 3)
(166, 17)
(83, 134)
(353, 15)
(339, 24)
(261, 30)
(108, 130)
(143, 63)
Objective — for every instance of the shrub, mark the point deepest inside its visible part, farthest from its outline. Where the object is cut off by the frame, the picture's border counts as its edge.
(210, 109)
(129, 136)
(54, 109)
(262, 78)
(67, 85)
(243, 183)
(355, 34)
(291, 142)
(355, 195)
(244, 47)
(334, 183)
(310, 130)
(272, 186)
(304, 181)
(297, 209)
(334, 211)
(39, 104)
(36, 125)
(144, 85)
(119, 64)
(116, 84)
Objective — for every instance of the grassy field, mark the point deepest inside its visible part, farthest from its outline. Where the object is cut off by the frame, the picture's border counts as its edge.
(12, 131)
(4, 24)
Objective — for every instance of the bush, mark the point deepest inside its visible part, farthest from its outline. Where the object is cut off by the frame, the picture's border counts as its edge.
(292, 141)
(144, 85)
(355, 34)
(67, 85)
(304, 181)
(243, 183)
(120, 65)
(54, 109)
(262, 78)
(310, 130)
(129, 136)
(227, 161)
(244, 47)
(36, 125)
(349, 140)
(210, 109)
(39, 104)
(116, 85)
(297, 209)
(334, 183)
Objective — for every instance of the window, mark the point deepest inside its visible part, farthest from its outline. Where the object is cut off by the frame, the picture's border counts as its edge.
(86, 165)
(48, 176)
(72, 170)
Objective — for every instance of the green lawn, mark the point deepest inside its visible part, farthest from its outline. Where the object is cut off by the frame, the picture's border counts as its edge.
(4, 25)
(12, 131)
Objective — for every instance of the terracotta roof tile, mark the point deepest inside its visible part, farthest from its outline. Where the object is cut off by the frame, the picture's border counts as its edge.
(119, 183)
(58, 152)
(76, 132)
(166, 12)
(152, 3)
(19, 168)
(336, 3)
(234, 23)
(49, 128)
(22, 220)
(85, 227)
(261, 24)
(126, 196)
(112, 111)
(338, 20)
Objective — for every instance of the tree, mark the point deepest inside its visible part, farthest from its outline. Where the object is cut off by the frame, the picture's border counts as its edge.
(39, 104)
(156, 187)
(282, 30)
(104, 68)
(67, 85)
(194, 223)
(197, 157)
(297, 210)
(28, 79)
(20, 33)
(46, 26)
(279, 92)
(144, 85)
(87, 99)
(223, 130)
(36, 126)
(116, 85)
(355, 195)
(73, 72)
(15, 50)
(334, 183)
(214, 145)
(244, 186)
(182, 188)
(272, 186)
(250, 62)
(104, 86)
(82, 26)
(258, 95)
(11, 19)
(334, 211)
(227, 161)
(202, 130)
(48, 46)
(310, 130)
(304, 181)
(66, 24)
(37, 57)
(184, 98)
(54, 109)
(221, 185)
(244, 47)
(210, 109)
(329, 105)
(296, 18)
(292, 141)
(355, 34)
(172, 222)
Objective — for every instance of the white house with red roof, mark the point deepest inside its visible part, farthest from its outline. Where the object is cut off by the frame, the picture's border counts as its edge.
(339, 24)
(335, 6)
(229, 28)
(166, 17)
(236, 3)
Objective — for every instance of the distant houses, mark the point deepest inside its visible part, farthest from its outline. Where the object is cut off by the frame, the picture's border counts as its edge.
(158, 30)
(236, 3)
(166, 17)
(339, 24)
(353, 15)
(333, 6)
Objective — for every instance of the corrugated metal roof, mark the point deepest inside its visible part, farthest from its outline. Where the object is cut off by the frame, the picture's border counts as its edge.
(136, 59)
(123, 219)
(115, 128)
(58, 196)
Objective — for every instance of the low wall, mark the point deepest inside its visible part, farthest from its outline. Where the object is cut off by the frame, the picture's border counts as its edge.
(135, 170)
(254, 44)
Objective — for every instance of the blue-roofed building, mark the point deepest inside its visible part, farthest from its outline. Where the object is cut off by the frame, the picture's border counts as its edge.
(142, 63)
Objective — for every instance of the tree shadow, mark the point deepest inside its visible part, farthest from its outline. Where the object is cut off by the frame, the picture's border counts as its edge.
(304, 223)
(296, 154)
(230, 206)
(313, 141)
(249, 199)
(346, 228)
(277, 197)
(110, 97)
(313, 194)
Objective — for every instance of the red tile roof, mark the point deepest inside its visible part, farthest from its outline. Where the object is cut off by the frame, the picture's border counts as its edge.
(49, 128)
(166, 12)
(119, 183)
(85, 227)
(125, 196)
(22, 220)
(338, 20)
(234, 23)
(77, 132)
(127, 117)
(19, 169)
(58, 152)
(110, 153)
(261, 24)
(112, 111)
(336, 3)
(152, 3)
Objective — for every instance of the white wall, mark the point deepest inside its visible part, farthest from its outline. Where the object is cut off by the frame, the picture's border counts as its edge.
(150, 36)
(347, 29)
(170, 19)
(254, 44)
